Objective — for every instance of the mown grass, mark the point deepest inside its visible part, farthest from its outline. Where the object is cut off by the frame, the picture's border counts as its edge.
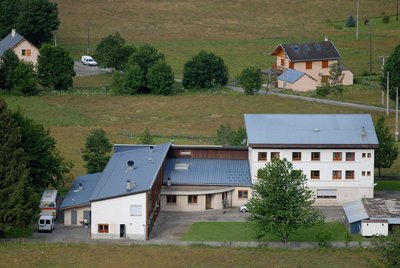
(106, 255)
(387, 185)
(243, 231)
(189, 118)
(242, 32)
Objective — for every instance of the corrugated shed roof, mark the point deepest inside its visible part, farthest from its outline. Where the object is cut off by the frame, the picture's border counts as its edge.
(147, 163)
(209, 172)
(76, 197)
(311, 129)
(355, 211)
(379, 208)
(290, 75)
(324, 50)
(9, 42)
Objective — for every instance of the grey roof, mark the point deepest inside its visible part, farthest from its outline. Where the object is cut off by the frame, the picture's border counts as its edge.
(379, 208)
(119, 148)
(355, 211)
(209, 172)
(147, 164)
(10, 42)
(308, 130)
(76, 197)
(324, 50)
(290, 75)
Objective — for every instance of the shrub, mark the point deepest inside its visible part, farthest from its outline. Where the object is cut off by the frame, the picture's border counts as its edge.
(322, 91)
(147, 138)
(386, 19)
(160, 79)
(347, 239)
(23, 79)
(351, 22)
(324, 239)
(250, 79)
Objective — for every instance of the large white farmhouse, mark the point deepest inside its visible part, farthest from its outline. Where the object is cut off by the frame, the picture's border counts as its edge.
(334, 151)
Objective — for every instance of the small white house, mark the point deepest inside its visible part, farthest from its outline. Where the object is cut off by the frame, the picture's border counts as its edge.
(24, 49)
(374, 227)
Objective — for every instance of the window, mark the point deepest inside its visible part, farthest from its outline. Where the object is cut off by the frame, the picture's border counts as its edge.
(364, 155)
(308, 64)
(349, 174)
(337, 174)
(47, 221)
(274, 155)
(103, 228)
(171, 199)
(26, 52)
(262, 156)
(296, 156)
(243, 194)
(368, 173)
(326, 194)
(363, 173)
(315, 174)
(350, 156)
(337, 156)
(369, 155)
(282, 62)
(23, 52)
(136, 210)
(325, 64)
(192, 199)
(291, 65)
(315, 156)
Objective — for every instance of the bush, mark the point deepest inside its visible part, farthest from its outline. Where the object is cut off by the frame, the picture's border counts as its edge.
(351, 22)
(23, 79)
(160, 79)
(132, 80)
(250, 79)
(324, 238)
(226, 136)
(146, 138)
(322, 91)
(386, 19)
(347, 239)
(205, 71)
(8, 62)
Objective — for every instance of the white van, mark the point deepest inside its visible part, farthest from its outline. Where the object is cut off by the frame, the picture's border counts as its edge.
(88, 60)
(46, 223)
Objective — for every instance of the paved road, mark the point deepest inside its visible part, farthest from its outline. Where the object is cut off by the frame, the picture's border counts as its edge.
(84, 70)
(324, 101)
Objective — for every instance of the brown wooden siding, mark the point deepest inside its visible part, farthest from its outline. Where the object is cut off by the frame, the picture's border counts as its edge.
(209, 153)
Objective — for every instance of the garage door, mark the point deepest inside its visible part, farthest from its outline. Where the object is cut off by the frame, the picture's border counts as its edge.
(74, 216)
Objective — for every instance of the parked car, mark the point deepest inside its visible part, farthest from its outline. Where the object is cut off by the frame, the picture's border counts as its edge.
(243, 208)
(88, 60)
(46, 223)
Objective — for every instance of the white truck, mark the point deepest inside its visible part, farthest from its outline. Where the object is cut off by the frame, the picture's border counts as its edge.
(46, 223)
(48, 210)
(88, 60)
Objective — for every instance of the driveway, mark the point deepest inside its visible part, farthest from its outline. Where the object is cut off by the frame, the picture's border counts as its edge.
(84, 70)
(62, 233)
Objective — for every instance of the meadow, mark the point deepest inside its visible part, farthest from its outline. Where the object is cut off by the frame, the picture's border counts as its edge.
(106, 255)
(243, 33)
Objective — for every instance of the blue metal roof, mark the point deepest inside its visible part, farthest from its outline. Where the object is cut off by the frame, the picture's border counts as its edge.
(147, 163)
(290, 75)
(355, 211)
(308, 129)
(209, 172)
(10, 42)
(76, 197)
(119, 148)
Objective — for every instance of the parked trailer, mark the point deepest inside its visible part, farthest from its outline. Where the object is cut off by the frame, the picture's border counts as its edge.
(48, 203)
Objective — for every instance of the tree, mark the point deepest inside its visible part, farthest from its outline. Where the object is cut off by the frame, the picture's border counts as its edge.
(8, 15)
(97, 151)
(36, 20)
(8, 62)
(146, 138)
(132, 80)
(46, 166)
(23, 79)
(17, 199)
(205, 70)
(55, 67)
(226, 136)
(250, 79)
(160, 79)
(351, 22)
(387, 151)
(281, 202)
(392, 65)
(388, 248)
(112, 52)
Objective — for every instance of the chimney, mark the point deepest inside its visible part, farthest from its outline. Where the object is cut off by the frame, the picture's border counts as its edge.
(13, 33)
(80, 187)
(326, 38)
(128, 185)
(168, 182)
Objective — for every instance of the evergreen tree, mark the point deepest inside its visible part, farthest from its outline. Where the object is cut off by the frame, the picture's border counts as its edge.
(351, 22)
(8, 62)
(97, 151)
(387, 151)
(392, 65)
(146, 138)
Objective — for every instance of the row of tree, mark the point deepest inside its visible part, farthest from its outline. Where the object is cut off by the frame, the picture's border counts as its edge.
(29, 163)
(55, 69)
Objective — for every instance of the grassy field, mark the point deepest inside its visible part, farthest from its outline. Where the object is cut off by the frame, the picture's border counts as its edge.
(185, 119)
(242, 32)
(242, 231)
(103, 255)
(387, 186)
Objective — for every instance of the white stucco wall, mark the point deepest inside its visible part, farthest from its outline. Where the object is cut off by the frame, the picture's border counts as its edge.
(236, 201)
(369, 228)
(347, 189)
(117, 211)
(182, 204)
(303, 84)
(27, 45)
(79, 212)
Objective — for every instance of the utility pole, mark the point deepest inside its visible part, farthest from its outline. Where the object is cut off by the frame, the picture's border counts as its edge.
(358, 13)
(396, 133)
(87, 50)
(383, 75)
(387, 95)
(397, 10)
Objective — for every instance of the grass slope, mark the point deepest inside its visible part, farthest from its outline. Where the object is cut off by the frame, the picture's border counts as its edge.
(242, 32)
(103, 255)
(387, 186)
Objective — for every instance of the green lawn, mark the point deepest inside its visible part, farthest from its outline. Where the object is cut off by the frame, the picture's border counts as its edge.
(17, 232)
(242, 231)
(387, 185)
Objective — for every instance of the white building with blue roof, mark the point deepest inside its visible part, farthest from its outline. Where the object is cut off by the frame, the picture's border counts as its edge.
(334, 151)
